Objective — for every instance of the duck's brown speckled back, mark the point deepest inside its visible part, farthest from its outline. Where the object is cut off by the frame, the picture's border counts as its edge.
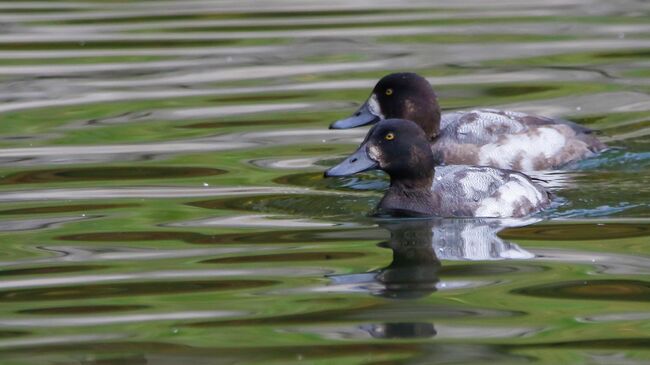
(512, 140)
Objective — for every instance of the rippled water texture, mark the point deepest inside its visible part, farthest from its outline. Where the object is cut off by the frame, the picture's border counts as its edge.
(162, 199)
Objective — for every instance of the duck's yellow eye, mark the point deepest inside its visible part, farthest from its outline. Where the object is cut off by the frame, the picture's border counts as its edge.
(389, 91)
(390, 136)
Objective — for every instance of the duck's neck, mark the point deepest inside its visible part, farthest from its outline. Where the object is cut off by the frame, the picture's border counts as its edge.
(425, 114)
(411, 197)
(419, 183)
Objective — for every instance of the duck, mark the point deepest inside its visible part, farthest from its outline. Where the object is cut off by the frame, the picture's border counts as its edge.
(421, 187)
(486, 137)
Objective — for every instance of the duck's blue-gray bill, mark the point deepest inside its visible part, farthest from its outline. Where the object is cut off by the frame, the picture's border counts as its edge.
(363, 116)
(355, 163)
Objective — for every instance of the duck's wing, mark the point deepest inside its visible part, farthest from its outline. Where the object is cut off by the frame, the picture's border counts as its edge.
(514, 140)
(481, 191)
(485, 125)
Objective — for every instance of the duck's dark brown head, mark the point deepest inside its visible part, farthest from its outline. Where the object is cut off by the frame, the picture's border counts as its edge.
(398, 96)
(397, 146)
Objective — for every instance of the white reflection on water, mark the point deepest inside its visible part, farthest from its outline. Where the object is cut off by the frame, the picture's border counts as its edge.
(148, 192)
(156, 276)
(616, 317)
(245, 73)
(287, 163)
(90, 53)
(252, 220)
(40, 223)
(113, 319)
(442, 331)
(596, 103)
(602, 262)
(136, 151)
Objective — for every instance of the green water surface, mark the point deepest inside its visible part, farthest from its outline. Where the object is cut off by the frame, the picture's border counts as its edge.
(162, 198)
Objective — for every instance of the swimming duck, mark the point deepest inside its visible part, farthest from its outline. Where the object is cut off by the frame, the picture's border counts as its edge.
(419, 187)
(486, 137)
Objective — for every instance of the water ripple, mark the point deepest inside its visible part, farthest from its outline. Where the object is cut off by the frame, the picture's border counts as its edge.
(162, 174)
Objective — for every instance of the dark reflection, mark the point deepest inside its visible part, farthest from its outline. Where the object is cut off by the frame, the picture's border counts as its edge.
(65, 208)
(401, 330)
(262, 237)
(252, 14)
(50, 270)
(622, 54)
(78, 292)
(366, 181)
(138, 359)
(580, 231)
(304, 205)
(613, 290)
(411, 352)
(173, 353)
(391, 311)
(136, 236)
(106, 173)
(11, 334)
(517, 90)
(413, 273)
(124, 44)
(490, 269)
(285, 257)
(86, 309)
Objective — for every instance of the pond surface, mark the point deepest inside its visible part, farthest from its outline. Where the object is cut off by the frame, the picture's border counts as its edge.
(162, 199)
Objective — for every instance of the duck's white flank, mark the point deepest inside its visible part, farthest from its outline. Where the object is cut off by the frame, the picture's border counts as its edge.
(488, 192)
(524, 149)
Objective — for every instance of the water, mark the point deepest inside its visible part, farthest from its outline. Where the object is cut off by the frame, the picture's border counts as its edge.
(163, 200)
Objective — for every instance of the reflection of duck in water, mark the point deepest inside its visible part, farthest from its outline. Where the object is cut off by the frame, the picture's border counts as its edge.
(459, 239)
(419, 245)
(413, 273)
(401, 330)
